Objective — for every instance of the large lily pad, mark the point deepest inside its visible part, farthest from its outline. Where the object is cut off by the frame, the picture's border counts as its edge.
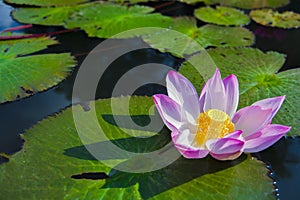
(250, 4)
(22, 75)
(258, 79)
(205, 36)
(222, 16)
(50, 16)
(105, 20)
(268, 17)
(50, 165)
(98, 19)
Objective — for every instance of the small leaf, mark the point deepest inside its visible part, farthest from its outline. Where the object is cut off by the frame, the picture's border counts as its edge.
(222, 36)
(222, 16)
(22, 75)
(98, 19)
(258, 79)
(205, 36)
(55, 165)
(250, 4)
(268, 17)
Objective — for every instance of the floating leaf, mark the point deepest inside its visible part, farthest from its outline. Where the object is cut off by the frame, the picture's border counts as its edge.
(206, 36)
(46, 3)
(258, 79)
(45, 16)
(98, 19)
(250, 4)
(222, 16)
(104, 20)
(268, 17)
(53, 165)
(22, 75)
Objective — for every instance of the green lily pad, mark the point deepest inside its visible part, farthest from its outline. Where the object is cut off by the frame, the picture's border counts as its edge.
(22, 75)
(268, 17)
(98, 19)
(205, 36)
(258, 79)
(46, 3)
(63, 2)
(222, 16)
(250, 4)
(51, 165)
(48, 16)
(106, 20)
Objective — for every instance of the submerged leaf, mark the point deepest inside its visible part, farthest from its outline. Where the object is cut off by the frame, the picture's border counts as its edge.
(98, 19)
(205, 36)
(249, 4)
(222, 16)
(268, 17)
(258, 77)
(47, 163)
(22, 75)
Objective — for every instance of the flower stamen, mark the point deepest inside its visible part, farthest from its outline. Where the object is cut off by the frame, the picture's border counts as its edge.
(212, 124)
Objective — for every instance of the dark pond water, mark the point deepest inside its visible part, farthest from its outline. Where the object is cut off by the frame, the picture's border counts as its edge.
(15, 117)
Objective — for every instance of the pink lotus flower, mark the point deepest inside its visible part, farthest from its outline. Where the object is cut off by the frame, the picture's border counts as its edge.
(210, 124)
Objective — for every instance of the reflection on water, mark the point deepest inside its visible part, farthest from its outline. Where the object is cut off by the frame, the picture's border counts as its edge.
(283, 41)
(284, 159)
(15, 117)
(5, 19)
(18, 116)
